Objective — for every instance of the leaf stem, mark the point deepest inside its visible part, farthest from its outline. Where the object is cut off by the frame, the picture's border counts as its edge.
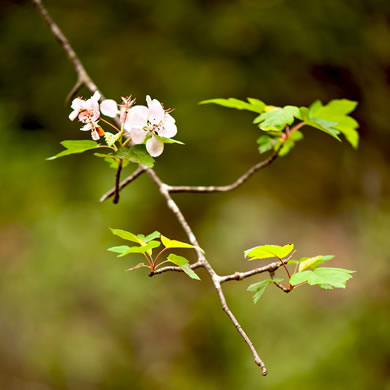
(110, 124)
(157, 257)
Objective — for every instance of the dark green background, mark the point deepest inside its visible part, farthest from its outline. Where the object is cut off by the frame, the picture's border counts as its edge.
(70, 318)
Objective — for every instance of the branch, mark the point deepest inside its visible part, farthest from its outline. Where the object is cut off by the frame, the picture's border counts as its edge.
(175, 269)
(138, 172)
(164, 189)
(242, 179)
(271, 268)
(82, 75)
(209, 189)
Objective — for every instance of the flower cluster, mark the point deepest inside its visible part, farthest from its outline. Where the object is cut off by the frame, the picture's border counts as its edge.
(151, 124)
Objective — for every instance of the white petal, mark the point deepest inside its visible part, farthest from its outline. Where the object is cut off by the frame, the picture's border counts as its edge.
(87, 127)
(156, 112)
(73, 115)
(96, 96)
(95, 135)
(137, 136)
(137, 117)
(78, 104)
(109, 108)
(154, 146)
(168, 130)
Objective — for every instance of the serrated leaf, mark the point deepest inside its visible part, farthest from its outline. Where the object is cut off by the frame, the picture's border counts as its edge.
(312, 262)
(127, 236)
(142, 249)
(136, 154)
(290, 143)
(278, 118)
(329, 277)
(267, 251)
(119, 249)
(260, 287)
(320, 124)
(111, 138)
(254, 105)
(74, 147)
(168, 243)
(336, 112)
(149, 237)
(265, 143)
(183, 263)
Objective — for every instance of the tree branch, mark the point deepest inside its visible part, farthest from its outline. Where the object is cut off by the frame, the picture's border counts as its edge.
(242, 179)
(138, 172)
(164, 189)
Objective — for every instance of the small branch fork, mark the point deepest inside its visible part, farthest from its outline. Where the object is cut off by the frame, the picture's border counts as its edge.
(165, 190)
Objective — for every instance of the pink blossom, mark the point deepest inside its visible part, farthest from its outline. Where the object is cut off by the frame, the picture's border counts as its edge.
(152, 121)
(110, 108)
(86, 110)
(88, 113)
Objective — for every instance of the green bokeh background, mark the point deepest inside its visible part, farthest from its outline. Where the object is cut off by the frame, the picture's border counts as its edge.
(70, 318)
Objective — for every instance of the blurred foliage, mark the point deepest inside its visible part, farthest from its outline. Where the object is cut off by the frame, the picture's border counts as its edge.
(72, 319)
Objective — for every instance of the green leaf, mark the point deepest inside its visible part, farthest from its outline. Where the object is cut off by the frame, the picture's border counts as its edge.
(169, 140)
(111, 138)
(176, 244)
(323, 277)
(260, 287)
(267, 251)
(333, 118)
(312, 262)
(149, 237)
(254, 105)
(73, 147)
(119, 249)
(278, 118)
(265, 143)
(142, 249)
(183, 263)
(290, 143)
(127, 236)
(136, 154)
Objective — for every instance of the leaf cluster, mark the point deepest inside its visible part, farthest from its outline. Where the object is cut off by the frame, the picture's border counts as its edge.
(145, 246)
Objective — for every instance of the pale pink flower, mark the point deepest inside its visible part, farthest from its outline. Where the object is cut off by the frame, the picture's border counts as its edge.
(151, 121)
(86, 110)
(96, 130)
(110, 108)
(88, 113)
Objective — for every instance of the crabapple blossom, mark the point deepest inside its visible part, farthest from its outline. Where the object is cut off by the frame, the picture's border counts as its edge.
(88, 113)
(153, 122)
(109, 107)
(85, 109)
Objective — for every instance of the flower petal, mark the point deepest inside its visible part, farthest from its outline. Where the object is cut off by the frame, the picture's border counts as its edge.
(95, 135)
(154, 146)
(156, 111)
(73, 115)
(137, 117)
(109, 108)
(169, 129)
(86, 127)
(96, 96)
(137, 136)
(78, 104)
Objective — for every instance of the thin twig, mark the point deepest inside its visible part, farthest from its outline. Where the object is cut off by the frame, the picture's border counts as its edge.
(242, 179)
(117, 182)
(139, 171)
(278, 284)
